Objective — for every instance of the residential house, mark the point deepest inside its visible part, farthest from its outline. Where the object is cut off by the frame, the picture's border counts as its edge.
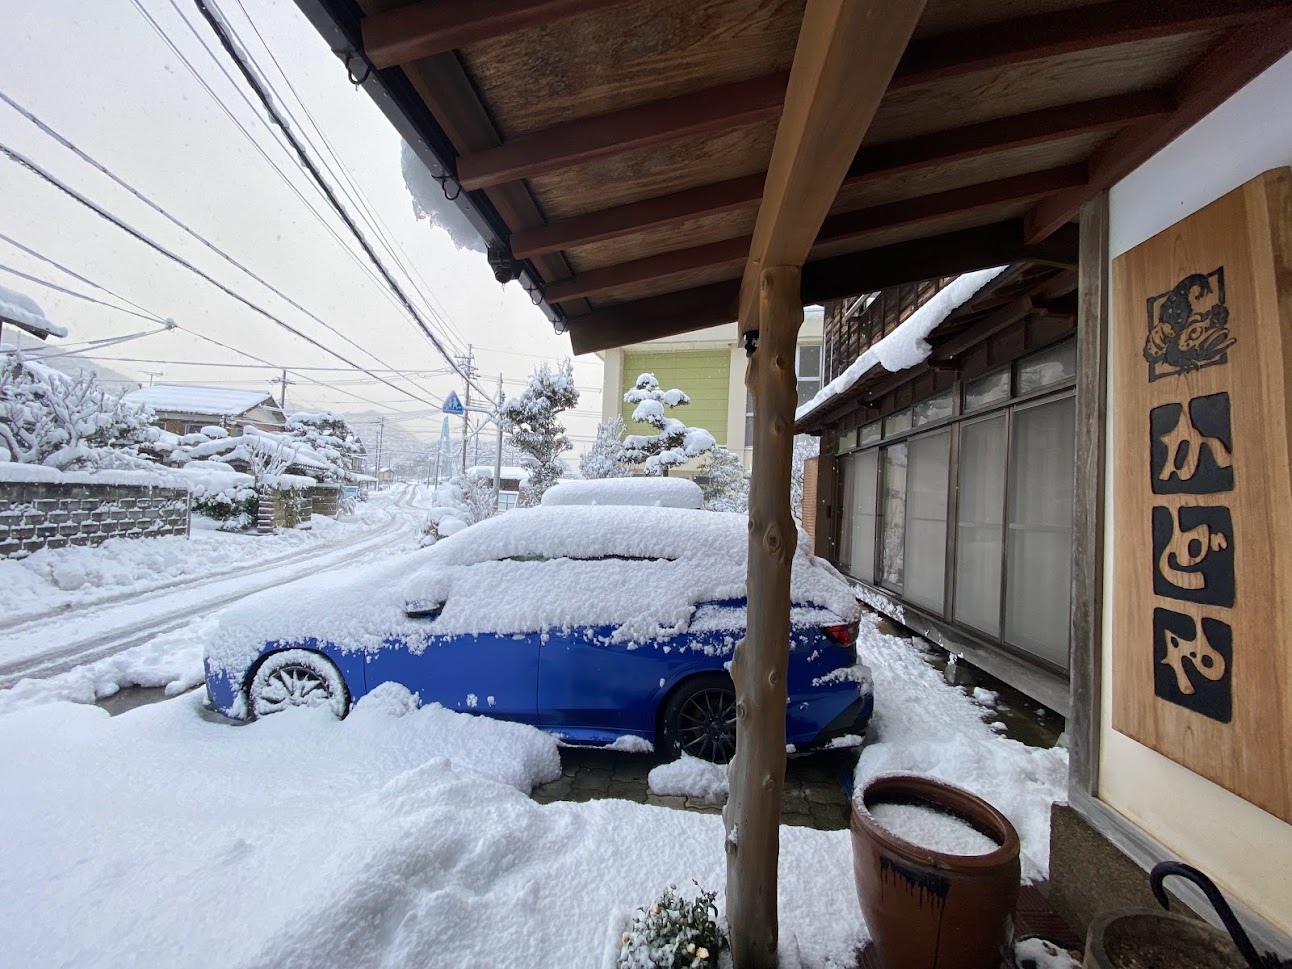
(709, 366)
(187, 408)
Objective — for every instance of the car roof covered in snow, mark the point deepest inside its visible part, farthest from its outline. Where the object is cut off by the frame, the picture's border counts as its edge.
(198, 399)
(640, 571)
(660, 492)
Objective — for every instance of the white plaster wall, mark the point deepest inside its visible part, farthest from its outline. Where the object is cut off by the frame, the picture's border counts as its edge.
(1247, 851)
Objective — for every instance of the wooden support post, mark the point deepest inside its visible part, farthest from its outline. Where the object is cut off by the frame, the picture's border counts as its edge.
(757, 773)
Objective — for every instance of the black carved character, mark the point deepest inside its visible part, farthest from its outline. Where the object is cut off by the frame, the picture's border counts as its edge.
(1191, 450)
(1188, 326)
(1193, 554)
(1193, 664)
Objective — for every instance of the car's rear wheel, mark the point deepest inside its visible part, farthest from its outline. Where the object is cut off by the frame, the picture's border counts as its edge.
(699, 719)
(297, 678)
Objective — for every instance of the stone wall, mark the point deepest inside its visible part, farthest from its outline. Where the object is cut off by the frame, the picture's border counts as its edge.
(283, 508)
(46, 514)
(326, 499)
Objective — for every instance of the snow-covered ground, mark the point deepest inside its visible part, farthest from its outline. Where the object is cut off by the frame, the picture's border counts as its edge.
(55, 580)
(403, 836)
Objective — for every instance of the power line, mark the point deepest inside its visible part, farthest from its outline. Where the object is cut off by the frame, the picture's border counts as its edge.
(71, 292)
(217, 25)
(157, 247)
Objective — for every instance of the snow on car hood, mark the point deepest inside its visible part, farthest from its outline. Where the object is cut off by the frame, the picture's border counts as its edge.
(640, 570)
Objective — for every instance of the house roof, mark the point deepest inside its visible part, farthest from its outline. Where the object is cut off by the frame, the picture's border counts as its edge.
(199, 399)
(24, 313)
(636, 156)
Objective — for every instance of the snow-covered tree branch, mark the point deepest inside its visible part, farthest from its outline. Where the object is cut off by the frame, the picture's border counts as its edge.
(602, 460)
(531, 420)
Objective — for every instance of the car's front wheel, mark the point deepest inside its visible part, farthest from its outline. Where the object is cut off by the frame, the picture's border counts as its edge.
(297, 678)
(699, 719)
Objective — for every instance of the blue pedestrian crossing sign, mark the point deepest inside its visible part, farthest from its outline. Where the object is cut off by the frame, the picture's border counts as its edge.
(452, 404)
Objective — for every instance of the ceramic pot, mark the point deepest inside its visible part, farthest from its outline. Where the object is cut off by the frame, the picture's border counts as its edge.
(1119, 940)
(926, 909)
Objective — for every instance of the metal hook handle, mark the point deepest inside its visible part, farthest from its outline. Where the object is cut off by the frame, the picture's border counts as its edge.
(1162, 870)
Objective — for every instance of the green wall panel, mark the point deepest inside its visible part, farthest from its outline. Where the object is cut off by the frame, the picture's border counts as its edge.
(701, 374)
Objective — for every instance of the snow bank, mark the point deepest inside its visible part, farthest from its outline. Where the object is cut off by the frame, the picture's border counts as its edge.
(660, 492)
(396, 837)
(923, 726)
(40, 473)
(907, 345)
(641, 571)
(25, 312)
(689, 777)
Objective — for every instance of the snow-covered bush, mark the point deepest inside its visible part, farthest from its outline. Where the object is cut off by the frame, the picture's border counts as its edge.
(675, 933)
(673, 443)
(602, 460)
(70, 423)
(722, 479)
(532, 422)
(804, 447)
(455, 505)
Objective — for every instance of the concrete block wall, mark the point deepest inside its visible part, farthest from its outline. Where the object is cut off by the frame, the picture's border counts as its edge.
(36, 515)
(283, 508)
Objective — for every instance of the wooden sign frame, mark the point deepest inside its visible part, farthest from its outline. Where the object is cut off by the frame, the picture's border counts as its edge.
(1202, 509)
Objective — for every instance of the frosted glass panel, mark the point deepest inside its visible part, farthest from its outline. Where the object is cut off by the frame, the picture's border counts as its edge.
(847, 481)
(892, 553)
(1039, 567)
(1047, 367)
(926, 520)
(980, 531)
(991, 389)
(861, 513)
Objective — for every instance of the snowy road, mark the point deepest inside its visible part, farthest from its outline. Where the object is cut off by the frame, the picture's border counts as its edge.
(48, 646)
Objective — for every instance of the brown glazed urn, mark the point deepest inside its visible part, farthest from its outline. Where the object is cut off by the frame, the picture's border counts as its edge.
(926, 909)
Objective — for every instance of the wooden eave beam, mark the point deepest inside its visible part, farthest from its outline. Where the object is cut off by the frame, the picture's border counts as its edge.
(992, 46)
(588, 139)
(1242, 55)
(432, 27)
(837, 228)
(870, 164)
(988, 326)
(966, 250)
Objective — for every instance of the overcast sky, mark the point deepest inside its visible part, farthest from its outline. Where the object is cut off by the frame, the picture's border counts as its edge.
(98, 73)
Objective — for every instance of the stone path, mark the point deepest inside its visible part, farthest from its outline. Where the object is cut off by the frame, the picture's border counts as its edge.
(817, 786)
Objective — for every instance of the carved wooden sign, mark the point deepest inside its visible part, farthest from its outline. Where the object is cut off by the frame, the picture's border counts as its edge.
(1202, 493)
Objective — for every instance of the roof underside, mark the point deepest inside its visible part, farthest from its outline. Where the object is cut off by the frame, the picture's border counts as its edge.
(620, 147)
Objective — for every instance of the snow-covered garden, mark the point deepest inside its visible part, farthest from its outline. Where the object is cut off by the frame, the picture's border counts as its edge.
(404, 835)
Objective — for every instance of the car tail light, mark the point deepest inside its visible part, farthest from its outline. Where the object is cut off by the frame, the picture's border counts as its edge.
(844, 634)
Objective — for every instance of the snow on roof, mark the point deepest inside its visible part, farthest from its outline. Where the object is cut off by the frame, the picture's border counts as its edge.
(507, 471)
(638, 572)
(907, 345)
(23, 312)
(198, 399)
(660, 492)
(263, 443)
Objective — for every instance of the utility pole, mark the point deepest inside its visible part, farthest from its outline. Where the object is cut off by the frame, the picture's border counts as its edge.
(151, 374)
(497, 461)
(282, 392)
(468, 369)
(381, 427)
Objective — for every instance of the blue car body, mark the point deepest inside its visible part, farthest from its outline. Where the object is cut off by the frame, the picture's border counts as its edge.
(587, 683)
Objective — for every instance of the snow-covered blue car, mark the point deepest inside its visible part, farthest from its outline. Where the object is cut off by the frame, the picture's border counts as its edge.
(603, 625)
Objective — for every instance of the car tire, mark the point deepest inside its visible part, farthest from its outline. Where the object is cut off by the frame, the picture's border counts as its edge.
(296, 678)
(699, 719)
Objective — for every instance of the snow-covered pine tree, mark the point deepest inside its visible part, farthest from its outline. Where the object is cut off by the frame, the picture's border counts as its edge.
(330, 436)
(532, 422)
(722, 481)
(673, 443)
(602, 459)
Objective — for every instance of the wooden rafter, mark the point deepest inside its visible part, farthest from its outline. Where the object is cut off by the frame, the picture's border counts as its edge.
(1070, 31)
(432, 27)
(913, 154)
(1243, 55)
(659, 122)
(948, 254)
(837, 228)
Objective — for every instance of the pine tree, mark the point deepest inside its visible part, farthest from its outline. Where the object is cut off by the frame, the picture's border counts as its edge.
(673, 443)
(532, 421)
(722, 481)
(330, 436)
(602, 460)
